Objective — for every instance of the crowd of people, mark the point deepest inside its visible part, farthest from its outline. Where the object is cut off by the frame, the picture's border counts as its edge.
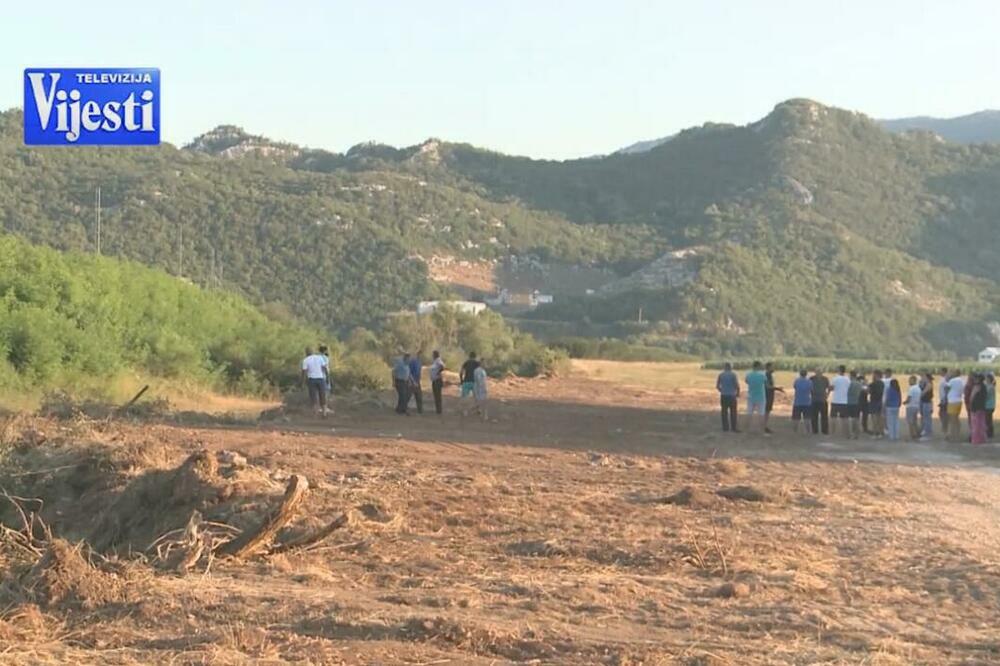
(407, 372)
(854, 404)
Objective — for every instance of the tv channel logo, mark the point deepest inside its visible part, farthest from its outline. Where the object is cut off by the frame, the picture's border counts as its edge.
(94, 106)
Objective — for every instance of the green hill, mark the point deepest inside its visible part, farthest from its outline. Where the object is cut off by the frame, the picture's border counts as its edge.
(812, 231)
(338, 249)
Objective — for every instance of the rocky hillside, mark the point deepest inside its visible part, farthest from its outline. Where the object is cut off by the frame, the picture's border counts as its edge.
(811, 231)
(338, 247)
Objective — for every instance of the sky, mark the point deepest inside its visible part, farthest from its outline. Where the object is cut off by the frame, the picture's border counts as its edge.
(541, 78)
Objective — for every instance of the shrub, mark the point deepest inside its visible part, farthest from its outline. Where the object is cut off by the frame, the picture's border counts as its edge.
(361, 370)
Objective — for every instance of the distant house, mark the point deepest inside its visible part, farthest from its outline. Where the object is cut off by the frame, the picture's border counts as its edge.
(530, 300)
(989, 355)
(468, 307)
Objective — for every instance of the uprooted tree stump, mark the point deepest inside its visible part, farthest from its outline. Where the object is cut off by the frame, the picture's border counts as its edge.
(251, 541)
(311, 539)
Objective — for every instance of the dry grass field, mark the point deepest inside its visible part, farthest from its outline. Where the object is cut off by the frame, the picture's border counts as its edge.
(597, 518)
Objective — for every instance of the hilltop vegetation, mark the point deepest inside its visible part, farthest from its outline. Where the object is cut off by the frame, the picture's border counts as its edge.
(338, 249)
(812, 231)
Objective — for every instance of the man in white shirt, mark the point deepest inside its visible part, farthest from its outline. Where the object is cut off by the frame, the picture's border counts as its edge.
(956, 395)
(316, 375)
(839, 411)
(437, 382)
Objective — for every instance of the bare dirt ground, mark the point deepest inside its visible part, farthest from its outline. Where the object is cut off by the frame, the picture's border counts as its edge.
(599, 518)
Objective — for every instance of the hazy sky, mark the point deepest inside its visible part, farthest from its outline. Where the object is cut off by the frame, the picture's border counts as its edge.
(540, 78)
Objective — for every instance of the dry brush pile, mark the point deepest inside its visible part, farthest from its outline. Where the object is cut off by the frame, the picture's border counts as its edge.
(88, 514)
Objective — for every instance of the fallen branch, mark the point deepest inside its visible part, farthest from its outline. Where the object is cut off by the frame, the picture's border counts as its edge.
(311, 539)
(252, 540)
(124, 408)
(134, 399)
(29, 520)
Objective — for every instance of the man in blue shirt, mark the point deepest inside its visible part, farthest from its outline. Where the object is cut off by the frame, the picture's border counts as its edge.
(401, 381)
(728, 386)
(415, 390)
(802, 403)
(757, 394)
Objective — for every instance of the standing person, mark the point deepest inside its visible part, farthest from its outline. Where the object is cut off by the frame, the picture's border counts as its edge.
(893, 400)
(479, 390)
(840, 385)
(437, 382)
(728, 386)
(886, 380)
(325, 352)
(416, 369)
(943, 400)
(315, 371)
(926, 406)
(854, 391)
(887, 377)
(991, 402)
(401, 381)
(966, 399)
(802, 402)
(820, 414)
(956, 395)
(977, 410)
(912, 402)
(757, 394)
(466, 375)
(876, 399)
(769, 390)
(863, 404)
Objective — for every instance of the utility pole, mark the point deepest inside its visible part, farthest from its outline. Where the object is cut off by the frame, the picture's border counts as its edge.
(97, 207)
(640, 315)
(180, 250)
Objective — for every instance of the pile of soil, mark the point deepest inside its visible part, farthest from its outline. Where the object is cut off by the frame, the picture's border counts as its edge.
(63, 577)
(160, 500)
(691, 496)
(90, 484)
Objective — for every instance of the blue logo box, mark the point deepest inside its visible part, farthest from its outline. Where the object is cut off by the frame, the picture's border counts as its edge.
(91, 106)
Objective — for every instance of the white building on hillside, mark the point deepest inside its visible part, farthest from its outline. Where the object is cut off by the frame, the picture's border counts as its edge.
(468, 307)
(989, 355)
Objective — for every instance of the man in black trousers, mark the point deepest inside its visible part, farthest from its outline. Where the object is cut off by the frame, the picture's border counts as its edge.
(820, 408)
(401, 381)
(437, 382)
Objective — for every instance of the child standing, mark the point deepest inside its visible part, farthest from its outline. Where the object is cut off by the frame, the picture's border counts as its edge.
(912, 403)
(893, 400)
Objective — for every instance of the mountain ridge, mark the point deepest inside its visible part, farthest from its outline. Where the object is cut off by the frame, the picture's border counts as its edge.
(823, 198)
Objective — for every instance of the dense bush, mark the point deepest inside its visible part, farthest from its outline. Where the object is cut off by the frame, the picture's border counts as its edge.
(67, 317)
(502, 348)
(361, 370)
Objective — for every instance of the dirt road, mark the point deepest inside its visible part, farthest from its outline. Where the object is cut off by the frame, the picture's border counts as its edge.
(589, 522)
